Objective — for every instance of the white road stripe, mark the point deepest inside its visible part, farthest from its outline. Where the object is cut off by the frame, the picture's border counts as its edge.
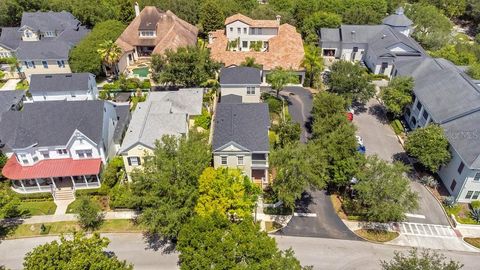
(415, 216)
(431, 230)
(305, 214)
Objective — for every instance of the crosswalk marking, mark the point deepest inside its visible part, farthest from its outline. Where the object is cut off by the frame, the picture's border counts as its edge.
(420, 229)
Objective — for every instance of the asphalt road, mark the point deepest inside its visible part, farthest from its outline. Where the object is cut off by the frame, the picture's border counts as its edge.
(380, 139)
(299, 106)
(319, 252)
(325, 224)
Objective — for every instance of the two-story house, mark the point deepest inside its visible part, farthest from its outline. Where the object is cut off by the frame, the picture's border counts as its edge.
(241, 81)
(378, 47)
(240, 139)
(163, 113)
(153, 31)
(60, 145)
(69, 86)
(42, 42)
(269, 42)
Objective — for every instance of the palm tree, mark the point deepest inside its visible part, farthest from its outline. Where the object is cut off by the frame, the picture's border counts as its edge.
(312, 62)
(110, 53)
(250, 62)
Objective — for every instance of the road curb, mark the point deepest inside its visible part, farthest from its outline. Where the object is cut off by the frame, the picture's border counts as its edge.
(441, 206)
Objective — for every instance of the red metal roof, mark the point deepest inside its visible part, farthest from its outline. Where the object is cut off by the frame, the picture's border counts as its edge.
(51, 168)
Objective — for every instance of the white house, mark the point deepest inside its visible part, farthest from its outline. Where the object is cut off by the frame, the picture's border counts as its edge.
(69, 86)
(241, 81)
(240, 139)
(42, 42)
(60, 145)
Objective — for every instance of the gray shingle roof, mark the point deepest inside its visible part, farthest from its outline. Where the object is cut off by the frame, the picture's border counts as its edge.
(52, 123)
(240, 76)
(49, 21)
(59, 82)
(245, 124)
(398, 19)
(10, 38)
(330, 35)
(9, 99)
(231, 99)
(43, 50)
(163, 113)
(123, 118)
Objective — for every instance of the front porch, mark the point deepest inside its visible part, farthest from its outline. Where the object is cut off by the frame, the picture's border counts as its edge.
(53, 184)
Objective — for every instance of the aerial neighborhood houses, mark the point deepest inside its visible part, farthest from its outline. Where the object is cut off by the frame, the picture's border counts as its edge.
(42, 42)
(242, 83)
(271, 44)
(153, 31)
(443, 93)
(69, 86)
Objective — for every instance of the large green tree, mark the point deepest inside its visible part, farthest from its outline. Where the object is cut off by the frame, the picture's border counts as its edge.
(426, 260)
(383, 191)
(296, 170)
(211, 16)
(432, 28)
(430, 146)
(313, 64)
(278, 78)
(312, 24)
(397, 95)
(351, 81)
(288, 132)
(89, 215)
(85, 56)
(327, 104)
(110, 54)
(226, 191)
(79, 253)
(167, 187)
(187, 67)
(213, 242)
(9, 202)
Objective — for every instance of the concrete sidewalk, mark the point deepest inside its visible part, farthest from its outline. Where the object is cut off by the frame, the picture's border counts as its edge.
(10, 84)
(71, 217)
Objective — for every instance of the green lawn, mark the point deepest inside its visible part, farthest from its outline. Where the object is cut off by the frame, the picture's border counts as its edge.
(38, 208)
(57, 228)
(376, 235)
(473, 241)
(72, 208)
(461, 214)
(272, 226)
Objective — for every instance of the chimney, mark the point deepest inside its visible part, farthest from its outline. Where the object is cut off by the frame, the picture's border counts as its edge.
(278, 19)
(137, 9)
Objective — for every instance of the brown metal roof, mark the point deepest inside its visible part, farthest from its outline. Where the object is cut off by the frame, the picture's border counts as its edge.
(250, 21)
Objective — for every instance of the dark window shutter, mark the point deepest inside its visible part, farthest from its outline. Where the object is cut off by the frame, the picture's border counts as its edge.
(139, 161)
(129, 162)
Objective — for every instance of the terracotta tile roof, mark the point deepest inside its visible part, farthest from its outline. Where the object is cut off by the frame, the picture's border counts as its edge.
(171, 31)
(285, 50)
(51, 168)
(250, 21)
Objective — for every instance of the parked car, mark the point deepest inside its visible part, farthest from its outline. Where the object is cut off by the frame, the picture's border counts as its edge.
(349, 114)
(361, 147)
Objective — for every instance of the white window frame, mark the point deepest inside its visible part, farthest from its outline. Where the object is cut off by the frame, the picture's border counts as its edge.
(475, 195)
(49, 34)
(35, 158)
(134, 161)
(250, 90)
(242, 158)
(476, 177)
(62, 151)
(222, 158)
(148, 34)
(469, 194)
(87, 153)
(44, 64)
(45, 154)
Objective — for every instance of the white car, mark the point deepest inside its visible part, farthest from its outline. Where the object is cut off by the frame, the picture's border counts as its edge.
(359, 140)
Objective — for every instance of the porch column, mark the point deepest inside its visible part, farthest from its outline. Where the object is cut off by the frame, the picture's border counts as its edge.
(53, 182)
(73, 181)
(38, 185)
(98, 179)
(23, 186)
(85, 179)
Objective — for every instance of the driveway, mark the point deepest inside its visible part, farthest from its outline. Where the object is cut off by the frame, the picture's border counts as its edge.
(380, 139)
(315, 217)
(299, 106)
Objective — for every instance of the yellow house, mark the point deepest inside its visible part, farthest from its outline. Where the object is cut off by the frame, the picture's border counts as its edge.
(163, 113)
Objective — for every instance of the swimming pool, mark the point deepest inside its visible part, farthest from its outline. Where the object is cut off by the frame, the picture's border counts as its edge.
(141, 72)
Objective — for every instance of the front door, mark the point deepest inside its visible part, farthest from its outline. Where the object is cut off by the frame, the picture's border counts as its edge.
(63, 182)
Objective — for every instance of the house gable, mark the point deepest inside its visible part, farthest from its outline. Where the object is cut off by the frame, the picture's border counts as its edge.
(401, 48)
(231, 147)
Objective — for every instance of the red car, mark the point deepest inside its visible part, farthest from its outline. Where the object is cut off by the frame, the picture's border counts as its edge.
(349, 114)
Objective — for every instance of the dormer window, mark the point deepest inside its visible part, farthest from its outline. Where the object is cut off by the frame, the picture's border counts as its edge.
(27, 33)
(49, 34)
(147, 33)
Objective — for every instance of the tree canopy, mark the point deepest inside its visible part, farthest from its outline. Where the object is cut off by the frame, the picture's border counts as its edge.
(85, 56)
(213, 242)
(227, 192)
(313, 64)
(350, 81)
(186, 67)
(313, 23)
(426, 260)
(430, 146)
(79, 253)
(279, 78)
(383, 191)
(167, 187)
(397, 95)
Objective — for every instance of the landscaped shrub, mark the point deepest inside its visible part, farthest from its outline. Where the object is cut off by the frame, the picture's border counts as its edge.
(274, 104)
(397, 127)
(429, 181)
(475, 213)
(475, 204)
(112, 173)
(89, 215)
(91, 192)
(449, 201)
(203, 120)
(121, 197)
(36, 197)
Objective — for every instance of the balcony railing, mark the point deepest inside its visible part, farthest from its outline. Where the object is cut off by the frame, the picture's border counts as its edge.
(260, 162)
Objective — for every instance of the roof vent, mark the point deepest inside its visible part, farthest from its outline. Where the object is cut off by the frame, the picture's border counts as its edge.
(68, 76)
(48, 76)
(384, 36)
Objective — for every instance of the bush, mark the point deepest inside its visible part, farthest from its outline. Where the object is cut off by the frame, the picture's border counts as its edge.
(146, 84)
(113, 172)
(91, 192)
(274, 104)
(103, 95)
(475, 213)
(89, 215)
(429, 181)
(475, 204)
(36, 197)
(203, 120)
(397, 127)
(281, 210)
(449, 201)
(121, 197)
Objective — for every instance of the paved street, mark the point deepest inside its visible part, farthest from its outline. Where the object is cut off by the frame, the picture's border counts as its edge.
(354, 255)
(320, 252)
(325, 224)
(299, 106)
(380, 139)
